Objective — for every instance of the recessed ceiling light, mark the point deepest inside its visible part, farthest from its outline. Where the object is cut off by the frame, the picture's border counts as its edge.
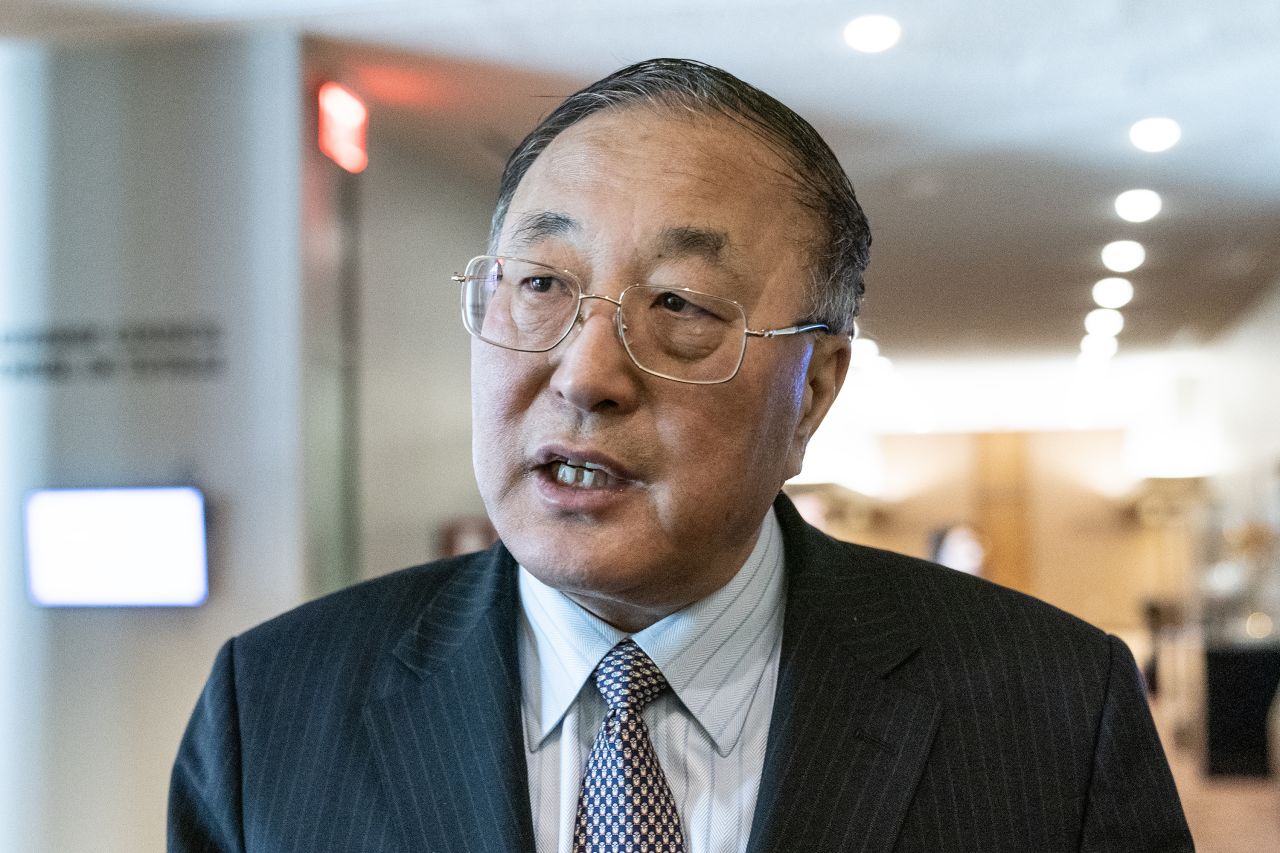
(1104, 322)
(1112, 292)
(1123, 255)
(1098, 346)
(1138, 205)
(1155, 134)
(872, 33)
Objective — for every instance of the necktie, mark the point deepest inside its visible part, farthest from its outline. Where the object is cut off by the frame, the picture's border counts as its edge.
(626, 805)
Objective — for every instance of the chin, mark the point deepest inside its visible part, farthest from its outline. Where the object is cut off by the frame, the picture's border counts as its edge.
(571, 566)
(578, 565)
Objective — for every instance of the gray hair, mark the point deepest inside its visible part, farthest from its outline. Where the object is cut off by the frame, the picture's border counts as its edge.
(840, 255)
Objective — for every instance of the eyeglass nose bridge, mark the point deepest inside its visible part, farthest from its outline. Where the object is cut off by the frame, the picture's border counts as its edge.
(618, 325)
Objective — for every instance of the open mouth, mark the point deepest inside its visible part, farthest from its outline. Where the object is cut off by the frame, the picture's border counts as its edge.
(582, 472)
(583, 475)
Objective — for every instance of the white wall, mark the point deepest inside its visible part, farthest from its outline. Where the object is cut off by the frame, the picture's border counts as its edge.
(1160, 399)
(172, 193)
(421, 221)
(1247, 392)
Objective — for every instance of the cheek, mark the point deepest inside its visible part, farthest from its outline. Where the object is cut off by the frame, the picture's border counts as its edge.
(503, 383)
(771, 416)
(486, 398)
(735, 436)
(500, 397)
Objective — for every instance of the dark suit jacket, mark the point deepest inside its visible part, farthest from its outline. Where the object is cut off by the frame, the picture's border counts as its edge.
(917, 708)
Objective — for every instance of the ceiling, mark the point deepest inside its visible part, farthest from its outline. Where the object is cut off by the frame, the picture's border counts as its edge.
(987, 146)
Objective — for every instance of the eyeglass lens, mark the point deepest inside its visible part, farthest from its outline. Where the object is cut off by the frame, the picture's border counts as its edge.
(680, 334)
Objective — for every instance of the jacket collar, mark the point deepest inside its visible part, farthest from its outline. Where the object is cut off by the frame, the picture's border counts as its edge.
(445, 725)
(848, 740)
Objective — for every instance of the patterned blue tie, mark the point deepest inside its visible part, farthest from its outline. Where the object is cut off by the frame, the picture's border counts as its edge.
(626, 805)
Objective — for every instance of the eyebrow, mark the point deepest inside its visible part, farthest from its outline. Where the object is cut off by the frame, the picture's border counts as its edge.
(678, 240)
(533, 228)
(686, 240)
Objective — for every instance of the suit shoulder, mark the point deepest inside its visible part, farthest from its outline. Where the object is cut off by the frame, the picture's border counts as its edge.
(955, 613)
(972, 610)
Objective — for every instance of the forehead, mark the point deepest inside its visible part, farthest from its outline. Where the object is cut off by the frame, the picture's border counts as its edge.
(659, 177)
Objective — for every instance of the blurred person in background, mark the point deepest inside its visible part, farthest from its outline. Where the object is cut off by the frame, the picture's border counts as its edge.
(958, 547)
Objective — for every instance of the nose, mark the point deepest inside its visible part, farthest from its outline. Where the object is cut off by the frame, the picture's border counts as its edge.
(592, 370)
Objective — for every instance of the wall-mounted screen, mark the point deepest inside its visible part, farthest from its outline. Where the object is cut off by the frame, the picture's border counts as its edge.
(124, 547)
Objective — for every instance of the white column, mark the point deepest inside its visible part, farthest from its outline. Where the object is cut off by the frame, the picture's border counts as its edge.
(23, 280)
(164, 188)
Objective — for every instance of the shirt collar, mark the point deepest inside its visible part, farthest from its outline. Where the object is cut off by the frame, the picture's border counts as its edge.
(713, 652)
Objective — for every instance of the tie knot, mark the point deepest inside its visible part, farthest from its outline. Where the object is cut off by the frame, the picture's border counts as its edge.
(627, 679)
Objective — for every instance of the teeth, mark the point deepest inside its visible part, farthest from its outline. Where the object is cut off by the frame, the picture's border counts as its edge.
(585, 476)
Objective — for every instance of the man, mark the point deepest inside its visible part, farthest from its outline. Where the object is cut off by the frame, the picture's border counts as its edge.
(660, 655)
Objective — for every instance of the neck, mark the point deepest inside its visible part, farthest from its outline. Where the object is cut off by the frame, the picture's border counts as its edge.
(623, 616)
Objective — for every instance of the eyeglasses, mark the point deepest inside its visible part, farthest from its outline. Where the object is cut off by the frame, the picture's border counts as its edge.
(672, 332)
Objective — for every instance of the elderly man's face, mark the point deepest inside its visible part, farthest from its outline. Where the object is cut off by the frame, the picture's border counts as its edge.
(639, 196)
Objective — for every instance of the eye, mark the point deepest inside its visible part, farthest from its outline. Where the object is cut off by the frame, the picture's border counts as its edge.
(539, 283)
(673, 302)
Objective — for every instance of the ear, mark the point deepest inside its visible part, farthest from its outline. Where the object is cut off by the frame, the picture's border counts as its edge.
(825, 376)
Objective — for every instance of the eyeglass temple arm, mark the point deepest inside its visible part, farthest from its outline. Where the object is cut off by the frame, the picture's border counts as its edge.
(795, 330)
(789, 330)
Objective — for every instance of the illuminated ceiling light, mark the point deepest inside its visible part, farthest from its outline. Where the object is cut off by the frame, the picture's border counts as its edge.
(872, 33)
(1112, 292)
(1138, 205)
(1104, 322)
(1123, 255)
(1098, 346)
(1155, 134)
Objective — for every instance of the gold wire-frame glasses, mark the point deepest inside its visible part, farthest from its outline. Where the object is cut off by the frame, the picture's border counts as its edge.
(675, 333)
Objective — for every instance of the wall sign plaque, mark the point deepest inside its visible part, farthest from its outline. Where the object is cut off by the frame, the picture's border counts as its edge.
(145, 350)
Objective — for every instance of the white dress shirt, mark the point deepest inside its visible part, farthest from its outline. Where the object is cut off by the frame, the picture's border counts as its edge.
(720, 656)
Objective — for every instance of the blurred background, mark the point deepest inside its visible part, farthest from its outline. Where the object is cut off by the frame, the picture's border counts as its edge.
(219, 271)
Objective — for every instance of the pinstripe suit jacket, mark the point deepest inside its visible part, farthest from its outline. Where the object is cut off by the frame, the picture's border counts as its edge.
(917, 708)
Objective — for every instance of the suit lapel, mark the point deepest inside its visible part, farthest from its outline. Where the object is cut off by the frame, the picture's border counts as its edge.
(846, 743)
(446, 732)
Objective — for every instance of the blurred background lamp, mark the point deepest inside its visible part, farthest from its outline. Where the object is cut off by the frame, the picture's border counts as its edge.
(1098, 346)
(1259, 625)
(1138, 205)
(872, 33)
(863, 351)
(1155, 134)
(1112, 292)
(343, 127)
(118, 547)
(1104, 322)
(1123, 255)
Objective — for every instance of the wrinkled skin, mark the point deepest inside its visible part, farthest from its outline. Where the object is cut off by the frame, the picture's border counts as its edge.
(693, 468)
